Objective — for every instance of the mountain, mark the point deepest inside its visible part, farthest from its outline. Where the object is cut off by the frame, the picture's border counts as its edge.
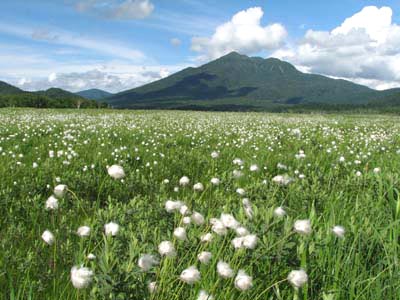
(237, 81)
(11, 96)
(8, 89)
(59, 94)
(94, 94)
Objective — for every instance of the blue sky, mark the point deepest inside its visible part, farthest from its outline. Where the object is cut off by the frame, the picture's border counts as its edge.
(120, 44)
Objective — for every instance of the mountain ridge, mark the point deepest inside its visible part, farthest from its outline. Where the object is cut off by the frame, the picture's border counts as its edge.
(236, 79)
(94, 94)
(50, 98)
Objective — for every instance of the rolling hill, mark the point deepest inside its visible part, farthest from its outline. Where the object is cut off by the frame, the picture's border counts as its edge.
(237, 81)
(8, 89)
(51, 98)
(94, 94)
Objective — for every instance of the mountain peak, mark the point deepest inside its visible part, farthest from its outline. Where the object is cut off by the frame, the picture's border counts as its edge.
(237, 79)
(95, 94)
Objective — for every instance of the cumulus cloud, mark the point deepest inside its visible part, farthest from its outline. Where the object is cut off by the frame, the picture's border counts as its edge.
(365, 48)
(114, 9)
(243, 33)
(104, 79)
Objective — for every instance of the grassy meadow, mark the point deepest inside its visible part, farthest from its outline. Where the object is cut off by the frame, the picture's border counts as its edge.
(250, 177)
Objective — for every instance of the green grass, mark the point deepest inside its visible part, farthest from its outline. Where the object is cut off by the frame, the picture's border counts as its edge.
(153, 146)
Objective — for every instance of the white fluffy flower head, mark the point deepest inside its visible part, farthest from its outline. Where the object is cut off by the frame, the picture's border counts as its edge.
(111, 229)
(48, 237)
(203, 295)
(116, 172)
(197, 218)
(166, 248)
(224, 270)
(184, 181)
(81, 277)
(243, 281)
(60, 190)
(204, 257)
(146, 262)
(339, 231)
(302, 227)
(180, 233)
(279, 212)
(198, 187)
(215, 181)
(171, 206)
(83, 231)
(52, 203)
(298, 278)
(229, 221)
(190, 275)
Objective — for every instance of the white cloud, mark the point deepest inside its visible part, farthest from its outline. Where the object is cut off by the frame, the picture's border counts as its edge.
(66, 38)
(365, 48)
(113, 77)
(175, 42)
(243, 33)
(126, 10)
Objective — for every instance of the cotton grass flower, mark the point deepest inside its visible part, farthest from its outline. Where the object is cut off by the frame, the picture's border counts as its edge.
(302, 227)
(152, 287)
(203, 295)
(197, 218)
(198, 187)
(377, 170)
(248, 209)
(237, 242)
(116, 172)
(52, 203)
(229, 221)
(146, 262)
(48, 237)
(224, 270)
(218, 227)
(83, 231)
(171, 206)
(81, 277)
(241, 231)
(282, 180)
(91, 256)
(180, 233)
(254, 168)
(190, 275)
(204, 257)
(166, 248)
(206, 238)
(250, 241)
(279, 212)
(60, 190)
(184, 181)
(241, 191)
(184, 210)
(186, 220)
(214, 154)
(297, 278)
(339, 231)
(243, 281)
(111, 229)
(215, 181)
